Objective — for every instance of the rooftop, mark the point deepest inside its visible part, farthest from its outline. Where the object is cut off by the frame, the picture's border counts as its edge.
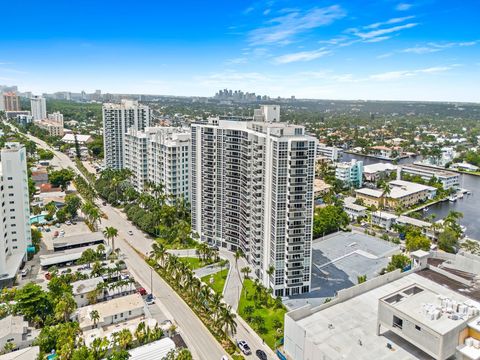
(12, 325)
(85, 286)
(29, 353)
(438, 172)
(79, 239)
(356, 319)
(377, 167)
(434, 310)
(153, 351)
(109, 308)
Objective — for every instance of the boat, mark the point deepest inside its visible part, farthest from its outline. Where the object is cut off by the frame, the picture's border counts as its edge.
(463, 228)
(460, 195)
(452, 198)
(425, 209)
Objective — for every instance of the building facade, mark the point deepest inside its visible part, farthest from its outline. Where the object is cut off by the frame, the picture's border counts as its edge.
(160, 156)
(38, 106)
(448, 179)
(252, 190)
(332, 153)
(11, 102)
(350, 173)
(15, 233)
(117, 119)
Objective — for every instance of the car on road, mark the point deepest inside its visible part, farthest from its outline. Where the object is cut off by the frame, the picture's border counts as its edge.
(150, 299)
(130, 232)
(242, 344)
(261, 354)
(104, 203)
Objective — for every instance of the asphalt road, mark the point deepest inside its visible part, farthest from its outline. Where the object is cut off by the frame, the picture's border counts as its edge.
(197, 337)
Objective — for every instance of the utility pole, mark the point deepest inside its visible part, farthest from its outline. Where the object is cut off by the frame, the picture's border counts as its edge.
(151, 280)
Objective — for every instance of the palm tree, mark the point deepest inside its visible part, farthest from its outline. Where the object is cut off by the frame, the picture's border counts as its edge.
(140, 333)
(123, 338)
(227, 321)
(271, 270)
(215, 305)
(159, 253)
(246, 271)
(95, 316)
(386, 191)
(111, 233)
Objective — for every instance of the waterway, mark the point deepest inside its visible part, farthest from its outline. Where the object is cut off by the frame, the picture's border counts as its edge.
(469, 206)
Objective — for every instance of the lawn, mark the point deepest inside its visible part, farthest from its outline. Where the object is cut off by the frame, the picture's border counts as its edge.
(218, 280)
(270, 314)
(193, 262)
(192, 244)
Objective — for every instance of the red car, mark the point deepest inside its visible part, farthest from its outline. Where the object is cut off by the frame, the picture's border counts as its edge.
(142, 291)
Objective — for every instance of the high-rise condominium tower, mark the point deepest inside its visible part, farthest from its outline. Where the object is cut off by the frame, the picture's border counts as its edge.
(117, 119)
(15, 233)
(252, 189)
(10, 102)
(38, 108)
(159, 155)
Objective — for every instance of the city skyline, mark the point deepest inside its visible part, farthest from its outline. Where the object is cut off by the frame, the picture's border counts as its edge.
(397, 50)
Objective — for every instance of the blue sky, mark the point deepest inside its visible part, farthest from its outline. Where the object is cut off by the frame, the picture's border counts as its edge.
(362, 49)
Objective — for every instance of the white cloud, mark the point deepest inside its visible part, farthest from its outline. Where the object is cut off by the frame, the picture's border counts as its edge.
(283, 28)
(237, 61)
(389, 22)
(381, 32)
(302, 56)
(402, 74)
(377, 39)
(435, 47)
(403, 7)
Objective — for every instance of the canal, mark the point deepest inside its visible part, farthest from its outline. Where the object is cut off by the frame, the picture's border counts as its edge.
(469, 206)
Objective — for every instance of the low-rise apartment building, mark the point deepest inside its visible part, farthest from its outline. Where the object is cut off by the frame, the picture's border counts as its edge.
(402, 194)
(447, 178)
(350, 173)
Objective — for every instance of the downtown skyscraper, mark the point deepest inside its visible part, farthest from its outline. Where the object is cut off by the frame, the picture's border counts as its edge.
(252, 190)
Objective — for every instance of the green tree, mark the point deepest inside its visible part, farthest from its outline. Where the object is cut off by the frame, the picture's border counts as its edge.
(398, 261)
(415, 241)
(329, 219)
(448, 240)
(72, 204)
(110, 233)
(61, 178)
(33, 303)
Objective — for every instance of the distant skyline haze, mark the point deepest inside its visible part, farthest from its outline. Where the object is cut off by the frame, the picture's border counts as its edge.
(424, 50)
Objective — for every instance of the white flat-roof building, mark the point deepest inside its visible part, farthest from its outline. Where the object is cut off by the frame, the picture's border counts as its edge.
(111, 312)
(332, 153)
(15, 235)
(155, 350)
(81, 288)
(13, 329)
(81, 139)
(375, 172)
(464, 166)
(252, 189)
(117, 119)
(383, 219)
(354, 211)
(29, 353)
(430, 316)
(447, 178)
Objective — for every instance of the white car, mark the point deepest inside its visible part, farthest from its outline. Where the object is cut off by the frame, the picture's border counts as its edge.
(242, 344)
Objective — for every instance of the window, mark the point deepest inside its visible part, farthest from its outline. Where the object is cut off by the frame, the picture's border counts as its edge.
(397, 322)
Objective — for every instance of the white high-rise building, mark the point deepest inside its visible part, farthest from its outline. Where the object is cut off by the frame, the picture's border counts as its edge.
(15, 233)
(168, 161)
(117, 119)
(38, 107)
(252, 189)
(159, 155)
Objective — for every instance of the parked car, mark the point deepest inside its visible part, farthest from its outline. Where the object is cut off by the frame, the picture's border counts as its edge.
(104, 203)
(57, 225)
(242, 344)
(68, 222)
(130, 232)
(261, 354)
(25, 272)
(142, 291)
